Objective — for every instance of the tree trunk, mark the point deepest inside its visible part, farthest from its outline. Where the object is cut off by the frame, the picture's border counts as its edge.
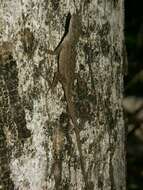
(39, 145)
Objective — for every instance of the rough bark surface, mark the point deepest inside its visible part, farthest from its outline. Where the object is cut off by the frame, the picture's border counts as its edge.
(28, 28)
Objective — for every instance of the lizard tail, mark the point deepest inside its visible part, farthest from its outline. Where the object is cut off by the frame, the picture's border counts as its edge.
(71, 110)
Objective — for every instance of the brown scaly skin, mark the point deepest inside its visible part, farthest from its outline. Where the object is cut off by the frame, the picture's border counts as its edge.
(66, 52)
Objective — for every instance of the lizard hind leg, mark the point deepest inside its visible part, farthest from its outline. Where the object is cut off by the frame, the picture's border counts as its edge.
(72, 114)
(55, 81)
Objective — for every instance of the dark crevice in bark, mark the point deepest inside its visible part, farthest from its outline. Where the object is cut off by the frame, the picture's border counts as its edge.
(5, 181)
(11, 114)
(17, 110)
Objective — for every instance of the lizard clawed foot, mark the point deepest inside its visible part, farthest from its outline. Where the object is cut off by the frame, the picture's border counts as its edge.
(54, 83)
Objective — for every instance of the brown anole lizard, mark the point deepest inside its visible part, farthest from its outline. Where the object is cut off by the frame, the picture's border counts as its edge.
(66, 51)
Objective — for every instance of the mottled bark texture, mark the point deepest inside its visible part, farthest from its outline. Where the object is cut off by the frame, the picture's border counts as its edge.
(38, 146)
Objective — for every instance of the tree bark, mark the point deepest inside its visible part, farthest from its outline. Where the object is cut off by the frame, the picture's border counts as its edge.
(38, 145)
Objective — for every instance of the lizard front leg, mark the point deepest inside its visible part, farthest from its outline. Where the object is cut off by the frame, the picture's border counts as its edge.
(56, 74)
(55, 81)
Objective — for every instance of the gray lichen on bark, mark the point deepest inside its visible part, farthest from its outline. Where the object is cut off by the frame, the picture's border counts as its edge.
(33, 27)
